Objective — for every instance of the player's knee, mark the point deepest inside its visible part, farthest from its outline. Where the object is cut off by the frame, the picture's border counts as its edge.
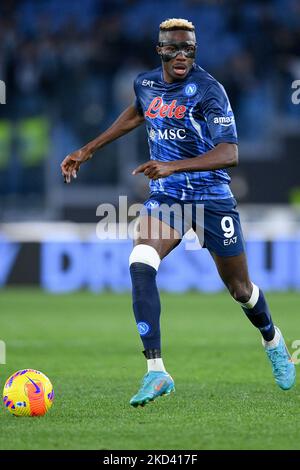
(241, 292)
(145, 254)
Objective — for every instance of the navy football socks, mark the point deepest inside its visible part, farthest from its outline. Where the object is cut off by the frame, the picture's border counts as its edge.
(146, 304)
(260, 317)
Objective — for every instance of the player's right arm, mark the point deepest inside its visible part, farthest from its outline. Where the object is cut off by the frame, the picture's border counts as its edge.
(126, 122)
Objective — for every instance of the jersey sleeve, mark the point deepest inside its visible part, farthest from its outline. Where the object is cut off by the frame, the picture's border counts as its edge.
(216, 109)
(137, 102)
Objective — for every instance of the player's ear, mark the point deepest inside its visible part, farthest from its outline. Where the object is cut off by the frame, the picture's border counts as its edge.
(158, 50)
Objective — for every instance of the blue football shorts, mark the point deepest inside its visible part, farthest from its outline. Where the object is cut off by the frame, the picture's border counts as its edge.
(216, 222)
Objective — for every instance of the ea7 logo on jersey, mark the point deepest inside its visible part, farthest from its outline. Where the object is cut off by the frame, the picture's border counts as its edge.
(147, 83)
(167, 134)
(230, 241)
(158, 109)
(224, 120)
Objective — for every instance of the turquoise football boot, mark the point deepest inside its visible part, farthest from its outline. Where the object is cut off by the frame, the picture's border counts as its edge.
(283, 367)
(154, 384)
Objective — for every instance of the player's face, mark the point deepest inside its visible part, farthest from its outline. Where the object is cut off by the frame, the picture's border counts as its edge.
(177, 50)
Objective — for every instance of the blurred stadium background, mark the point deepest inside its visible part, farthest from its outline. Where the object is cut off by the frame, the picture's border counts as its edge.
(68, 68)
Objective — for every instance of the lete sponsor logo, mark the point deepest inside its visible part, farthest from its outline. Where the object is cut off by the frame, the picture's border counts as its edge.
(159, 109)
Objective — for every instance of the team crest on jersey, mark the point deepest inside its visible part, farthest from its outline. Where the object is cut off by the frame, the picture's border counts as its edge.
(151, 204)
(190, 89)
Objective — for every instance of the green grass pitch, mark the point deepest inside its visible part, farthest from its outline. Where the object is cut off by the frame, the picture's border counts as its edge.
(88, 346)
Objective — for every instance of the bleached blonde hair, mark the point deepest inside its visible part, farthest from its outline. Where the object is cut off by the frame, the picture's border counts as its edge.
(176, 23)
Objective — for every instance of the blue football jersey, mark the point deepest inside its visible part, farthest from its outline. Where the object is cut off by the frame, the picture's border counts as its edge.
(185, 119)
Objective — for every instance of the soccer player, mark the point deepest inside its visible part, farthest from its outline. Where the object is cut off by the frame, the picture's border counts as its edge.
(192, 139)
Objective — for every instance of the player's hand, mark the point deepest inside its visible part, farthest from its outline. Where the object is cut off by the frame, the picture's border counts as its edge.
(70, 165)
(155, 169)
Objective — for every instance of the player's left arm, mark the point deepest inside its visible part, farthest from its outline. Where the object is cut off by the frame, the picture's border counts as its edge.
(216, 109)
